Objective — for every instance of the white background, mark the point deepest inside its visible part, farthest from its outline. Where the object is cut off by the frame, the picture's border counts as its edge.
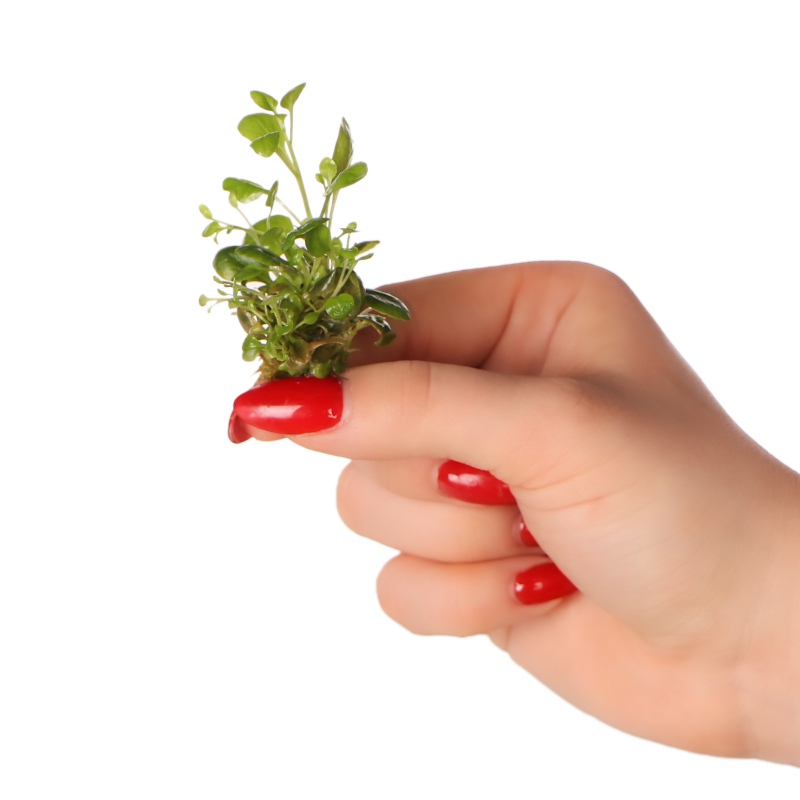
(182, 618)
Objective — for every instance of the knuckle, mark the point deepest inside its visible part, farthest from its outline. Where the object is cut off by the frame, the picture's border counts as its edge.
(584, 418)
(416, 383)
(586, 405)
(594, 273)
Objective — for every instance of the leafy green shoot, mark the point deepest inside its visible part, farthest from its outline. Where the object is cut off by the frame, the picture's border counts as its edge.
(291, 282)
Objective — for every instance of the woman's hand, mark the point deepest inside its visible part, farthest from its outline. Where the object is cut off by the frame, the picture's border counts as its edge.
(681, 535)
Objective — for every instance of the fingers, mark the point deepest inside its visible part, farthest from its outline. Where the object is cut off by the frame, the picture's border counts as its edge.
(422, 589)
(428, 597)
(434, 528)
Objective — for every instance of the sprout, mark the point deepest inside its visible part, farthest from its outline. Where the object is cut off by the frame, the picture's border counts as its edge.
(290, 281)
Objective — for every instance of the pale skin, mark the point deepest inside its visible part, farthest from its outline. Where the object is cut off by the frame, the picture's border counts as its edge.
(681, 534)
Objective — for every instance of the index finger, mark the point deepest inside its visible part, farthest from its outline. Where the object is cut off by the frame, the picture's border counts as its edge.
(460, 317)
(546, 318)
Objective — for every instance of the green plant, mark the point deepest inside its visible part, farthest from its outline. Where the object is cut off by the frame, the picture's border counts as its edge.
(292, 282)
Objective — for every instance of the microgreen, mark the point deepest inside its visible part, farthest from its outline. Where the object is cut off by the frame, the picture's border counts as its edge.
(291, 282)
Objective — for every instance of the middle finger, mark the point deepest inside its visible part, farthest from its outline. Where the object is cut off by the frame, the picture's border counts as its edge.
(420, 522)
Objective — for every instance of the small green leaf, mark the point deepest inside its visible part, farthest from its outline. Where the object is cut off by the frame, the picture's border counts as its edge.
(350, 176)
(326, 285)
(386, 304)
(328, 169)
(290, 98)
(309, 225)
(272, 194)
(265, 101)
(382, 327)
(206, 212)
(250, 348)
(273, 240)
(273, 347)
(298, 350)
(260, 256)
(253, 273)
(243, 191)
(226, 265)
(271, 232)
(254, 126)
(212, 228)
(281, 222)
(245, 319)
(340, 306)
(318, 241)
(309, 319)
(343, 150)
(321, 370)
(365, 247)
(354, 287)
(203, 300)
(267, 144)
(302, 230)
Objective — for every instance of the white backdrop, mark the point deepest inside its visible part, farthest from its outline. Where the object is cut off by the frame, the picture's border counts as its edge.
(182, 618)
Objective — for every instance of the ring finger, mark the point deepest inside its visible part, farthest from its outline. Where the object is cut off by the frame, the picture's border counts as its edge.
(429, 597)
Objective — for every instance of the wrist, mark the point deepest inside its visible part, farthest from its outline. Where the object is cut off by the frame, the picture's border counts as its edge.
(769, 673)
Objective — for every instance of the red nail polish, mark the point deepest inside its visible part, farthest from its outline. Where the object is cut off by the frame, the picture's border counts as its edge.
(292, 405)
(542, 583)
(473, 485)
(237, 432)
(525, 536)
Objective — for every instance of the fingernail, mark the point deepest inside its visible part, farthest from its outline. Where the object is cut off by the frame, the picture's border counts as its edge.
(525, 536)
(473, 485)
(237, 432)
(542, 583)
(292, 405)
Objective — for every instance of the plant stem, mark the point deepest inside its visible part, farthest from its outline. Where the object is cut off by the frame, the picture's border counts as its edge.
(250, 229)
(333, 206)
(231, 226)
(295, 170)
(289, 211)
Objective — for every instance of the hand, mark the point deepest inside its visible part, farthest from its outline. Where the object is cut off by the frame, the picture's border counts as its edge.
(681, 535)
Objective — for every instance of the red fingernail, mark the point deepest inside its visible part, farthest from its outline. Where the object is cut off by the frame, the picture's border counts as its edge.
(292, 405)
(525, 536)
(473, 485)
(237, 432)
(542, 583)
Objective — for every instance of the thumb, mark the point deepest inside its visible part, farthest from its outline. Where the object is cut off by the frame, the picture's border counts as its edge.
(506, 424)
